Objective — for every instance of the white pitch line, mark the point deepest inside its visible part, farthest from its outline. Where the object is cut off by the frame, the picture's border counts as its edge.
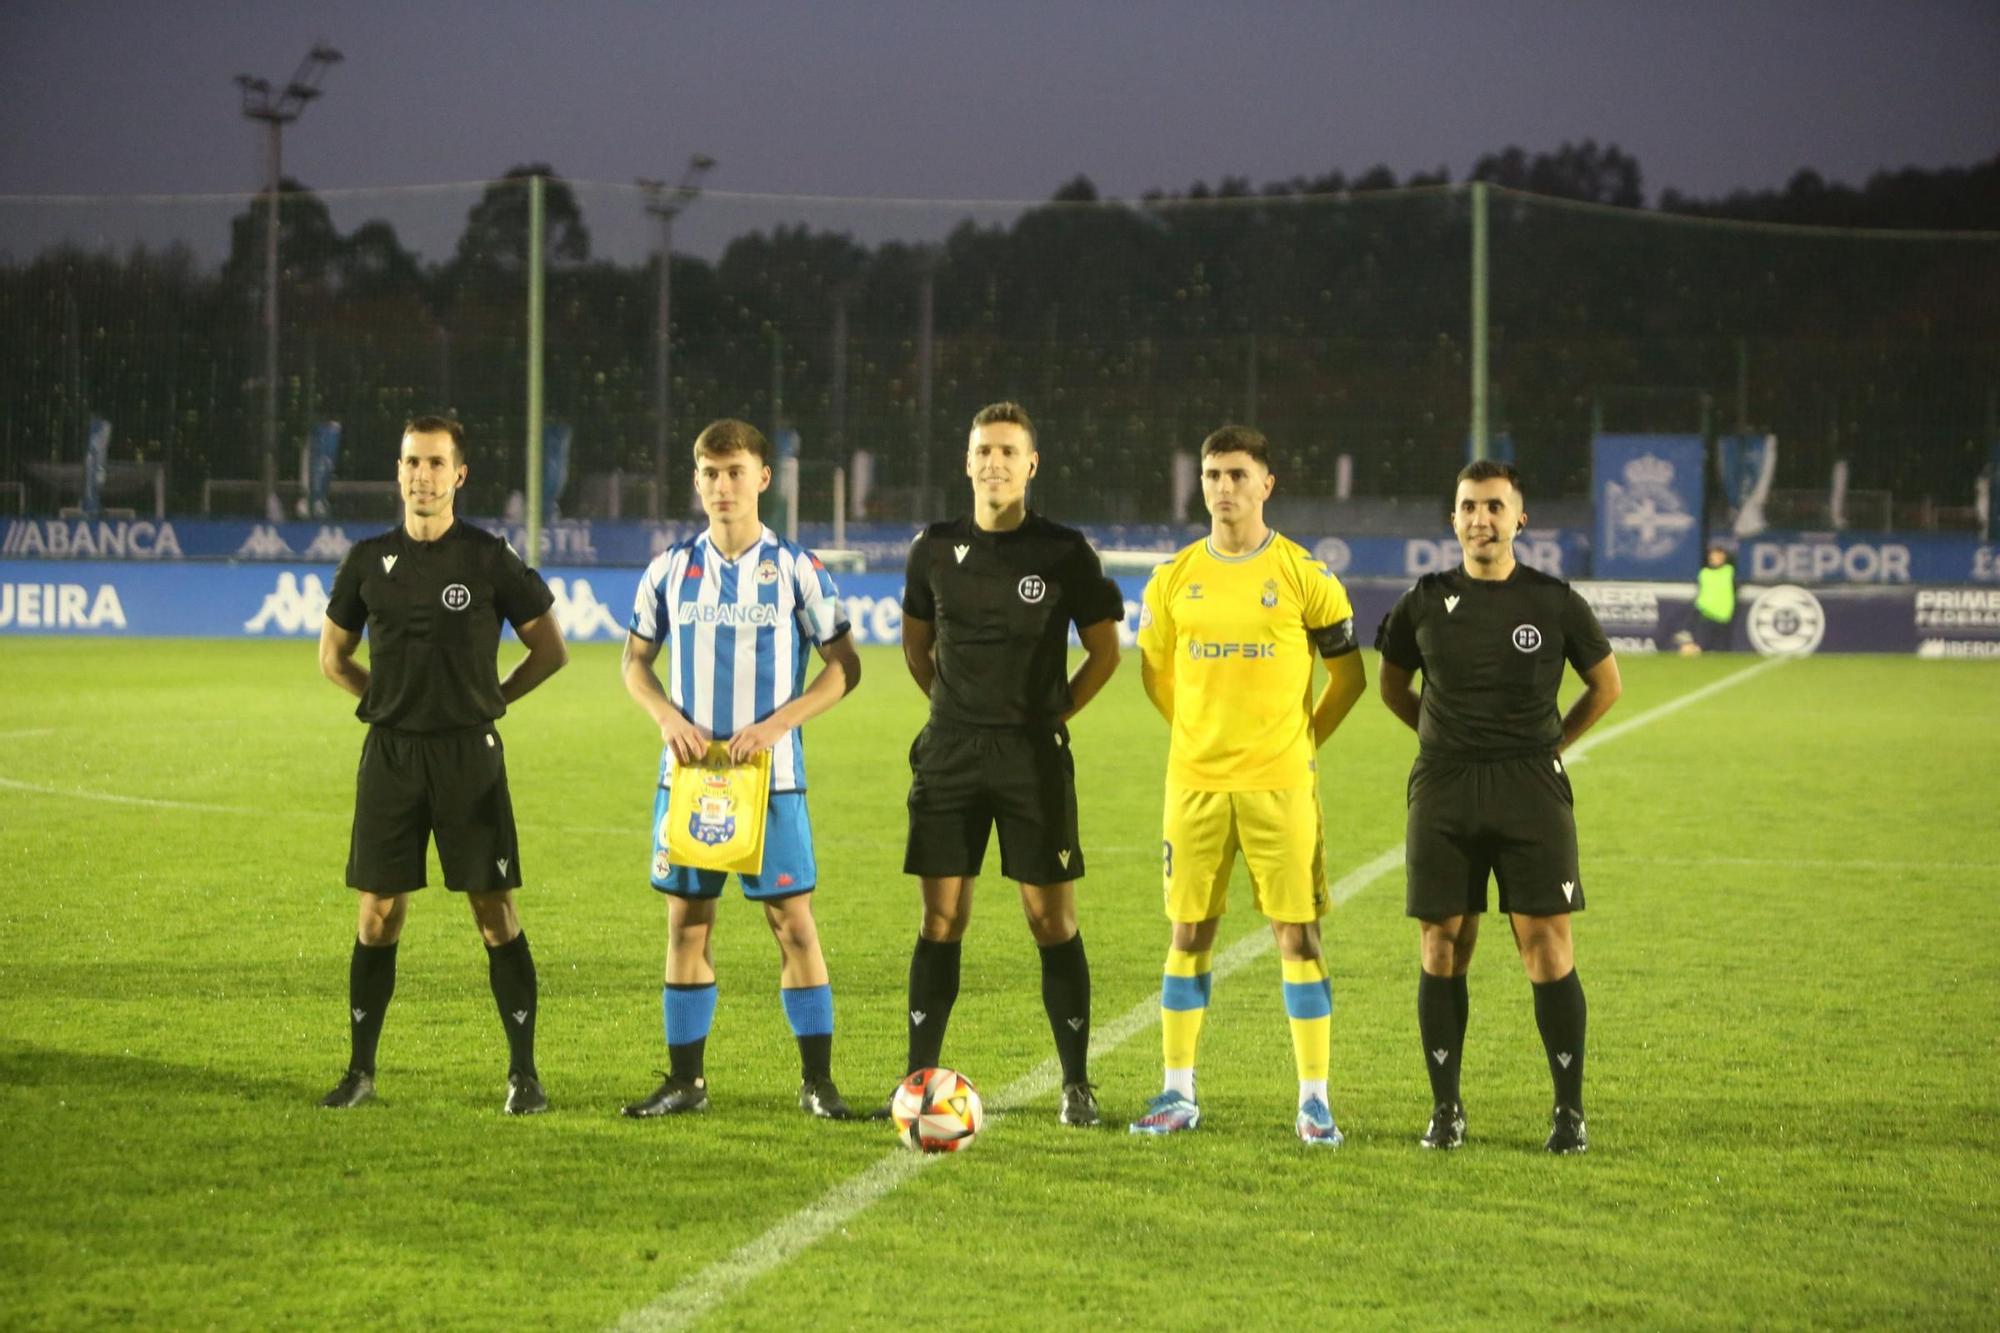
(1582, 748)
(40, 790)
(681, 1305)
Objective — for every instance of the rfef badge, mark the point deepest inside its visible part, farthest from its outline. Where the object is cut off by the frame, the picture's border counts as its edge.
(716, 812)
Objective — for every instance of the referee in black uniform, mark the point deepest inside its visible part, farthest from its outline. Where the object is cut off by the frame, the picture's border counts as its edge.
(431, 595)
(987, 606)
(1489, 793)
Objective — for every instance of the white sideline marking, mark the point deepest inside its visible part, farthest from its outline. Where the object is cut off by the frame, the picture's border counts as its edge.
(31, 731)
(681, 1305)
(40, 790)
(1576, 753)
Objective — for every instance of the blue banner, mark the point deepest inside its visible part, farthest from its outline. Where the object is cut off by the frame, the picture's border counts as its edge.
(96, 457)
(117, 599)
(555, 467)
(633, 543)
(1879, 558)
(1648, 490)
(325, 454)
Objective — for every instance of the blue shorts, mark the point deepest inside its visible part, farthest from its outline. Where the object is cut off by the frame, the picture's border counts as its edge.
(789, 867)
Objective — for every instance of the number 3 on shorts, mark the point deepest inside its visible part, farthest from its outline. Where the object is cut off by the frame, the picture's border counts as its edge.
(1167, 858)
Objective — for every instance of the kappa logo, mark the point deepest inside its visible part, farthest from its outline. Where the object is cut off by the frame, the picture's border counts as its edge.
(295, 607)
(457, 597)
(329, 543)
(520, 1017)
(264, 543)
(1564, 1059)
(918, 1016)
(1032, 589)
(1441, 1054)
(502, 863)
(1450, 604)
(1063, 856)
(1527, 638)
(388, 564)
(1569, 890)
(580, 614)
(961, 552)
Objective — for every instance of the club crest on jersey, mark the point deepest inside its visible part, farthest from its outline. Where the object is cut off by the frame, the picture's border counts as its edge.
(1527, 638)
(714, 819)
(457, 597)
(1032, 589)
(1270, 597)
(767, 572)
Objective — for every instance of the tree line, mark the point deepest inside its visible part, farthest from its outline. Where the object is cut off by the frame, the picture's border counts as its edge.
(1331, 311)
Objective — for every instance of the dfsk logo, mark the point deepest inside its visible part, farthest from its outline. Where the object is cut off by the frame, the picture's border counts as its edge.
(1199, 650)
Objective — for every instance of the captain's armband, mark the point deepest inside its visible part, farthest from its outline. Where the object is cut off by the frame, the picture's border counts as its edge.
(1335, 640)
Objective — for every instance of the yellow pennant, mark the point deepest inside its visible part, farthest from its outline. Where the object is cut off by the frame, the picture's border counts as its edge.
(716, 812)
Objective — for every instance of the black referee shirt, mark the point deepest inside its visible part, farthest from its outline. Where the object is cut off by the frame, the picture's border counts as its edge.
(1492, 654)
(1003, 603)
(433, 612)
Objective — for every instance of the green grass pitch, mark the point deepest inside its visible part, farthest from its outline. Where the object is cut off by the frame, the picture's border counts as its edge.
(1791, 1077)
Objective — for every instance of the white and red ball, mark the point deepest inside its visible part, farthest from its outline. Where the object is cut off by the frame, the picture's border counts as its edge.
(937, 1110)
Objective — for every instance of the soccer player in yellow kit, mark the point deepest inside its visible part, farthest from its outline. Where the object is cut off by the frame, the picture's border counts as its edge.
(1226, 640)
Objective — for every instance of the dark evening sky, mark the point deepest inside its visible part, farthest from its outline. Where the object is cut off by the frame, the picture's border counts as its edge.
(996, 101)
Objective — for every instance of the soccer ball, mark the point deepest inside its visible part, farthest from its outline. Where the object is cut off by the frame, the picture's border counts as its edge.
(937, 1110)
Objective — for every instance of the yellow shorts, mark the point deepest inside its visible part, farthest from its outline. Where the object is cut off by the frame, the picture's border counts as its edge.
(1279, 834)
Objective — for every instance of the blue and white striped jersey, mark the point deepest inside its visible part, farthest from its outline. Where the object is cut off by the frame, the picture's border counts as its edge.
(741, 634)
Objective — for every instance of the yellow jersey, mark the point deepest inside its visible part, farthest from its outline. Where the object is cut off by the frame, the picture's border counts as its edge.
(1236, 635)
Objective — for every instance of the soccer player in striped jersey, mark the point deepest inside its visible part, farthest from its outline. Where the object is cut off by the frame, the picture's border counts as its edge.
(741, 605)
(1227, 636)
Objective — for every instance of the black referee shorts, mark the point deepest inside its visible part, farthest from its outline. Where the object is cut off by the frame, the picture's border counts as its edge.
(964, 780)
(1512, 819)
(411, 785)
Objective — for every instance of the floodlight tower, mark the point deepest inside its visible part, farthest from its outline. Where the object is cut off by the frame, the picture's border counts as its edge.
(665, 203)
(277, 111)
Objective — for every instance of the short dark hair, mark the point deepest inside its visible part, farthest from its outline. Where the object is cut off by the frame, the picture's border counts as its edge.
(1005, 413)
(729, 436)
(1491, 469)
(1239, 440)
(432, 424)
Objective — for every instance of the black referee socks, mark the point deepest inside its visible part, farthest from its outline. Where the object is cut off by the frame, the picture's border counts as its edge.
(1066, 996)
(511, 970)
(371, 980)
(1559, 1013)
(933, 991)
(1441, 1011)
